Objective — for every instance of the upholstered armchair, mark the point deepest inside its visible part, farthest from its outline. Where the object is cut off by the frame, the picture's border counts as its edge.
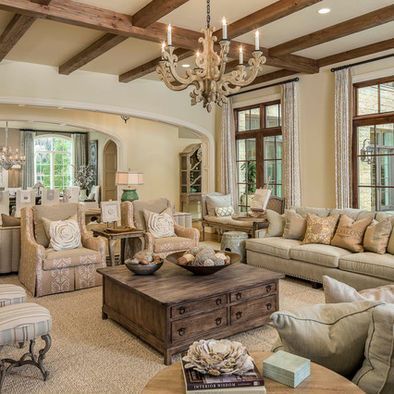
(133, 216)
(45, 271)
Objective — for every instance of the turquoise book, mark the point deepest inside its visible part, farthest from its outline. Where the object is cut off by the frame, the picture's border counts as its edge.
(287, 368)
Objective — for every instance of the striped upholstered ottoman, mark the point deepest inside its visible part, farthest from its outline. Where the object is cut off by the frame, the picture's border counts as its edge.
(11, 294)
(20, 323)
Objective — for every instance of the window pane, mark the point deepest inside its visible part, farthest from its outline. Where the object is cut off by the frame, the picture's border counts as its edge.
(366, 198)
(269, 148)
(367, 100)
(385, 199)
(249, 119)
(366, 138)
(242, 120)
(279, 141)
(272, 115)
(385, 170)
(242, 172)
(387, 97)
(385, 138)
(242, 197)
(251, 149)
(241, 149)
(43, 169)
(366, 171)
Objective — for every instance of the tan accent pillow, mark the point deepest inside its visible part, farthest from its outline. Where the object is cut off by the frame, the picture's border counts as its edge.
(320, 230)
(377, 236)
(295, 225)
(377, 372)
(160, 225)
(336, 291)
(332, 335)
(10, 221)
(276, 223)
(350, 233)
(64, 234)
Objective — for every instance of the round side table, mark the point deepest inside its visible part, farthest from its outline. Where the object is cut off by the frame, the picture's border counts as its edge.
(234, 241)
(322, 380)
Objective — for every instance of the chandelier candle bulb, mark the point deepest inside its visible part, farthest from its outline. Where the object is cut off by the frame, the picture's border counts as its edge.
(241, 55)
(224, 28)
(257, 40)
(169, 35)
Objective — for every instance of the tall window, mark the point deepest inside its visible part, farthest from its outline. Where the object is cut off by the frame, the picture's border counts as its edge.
(373, 152)
(259, 150)
(52, 161)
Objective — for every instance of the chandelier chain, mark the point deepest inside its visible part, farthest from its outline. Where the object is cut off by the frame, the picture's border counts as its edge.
(208, 14)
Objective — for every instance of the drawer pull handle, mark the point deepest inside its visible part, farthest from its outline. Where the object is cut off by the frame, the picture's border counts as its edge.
(182, 310)
(238, 296)
(269, 306)
(238, 315)
(218, 321)
(268, 288)
(218, 301)
(181, 332)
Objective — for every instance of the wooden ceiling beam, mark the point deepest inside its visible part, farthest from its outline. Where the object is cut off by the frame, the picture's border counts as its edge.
(155, 10)
(351, 26)
(266, 15)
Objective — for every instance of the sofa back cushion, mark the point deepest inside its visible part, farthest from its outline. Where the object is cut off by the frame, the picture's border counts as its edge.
(304, 211)
(52, 212)
(355, 214)
(158, 205)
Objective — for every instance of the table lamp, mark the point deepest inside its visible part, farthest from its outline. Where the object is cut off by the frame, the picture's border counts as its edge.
(129, 179)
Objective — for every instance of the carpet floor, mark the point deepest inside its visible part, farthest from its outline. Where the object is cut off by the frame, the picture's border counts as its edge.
(91, 355)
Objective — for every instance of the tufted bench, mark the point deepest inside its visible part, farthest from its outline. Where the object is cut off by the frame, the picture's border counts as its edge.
(20, 323)
(11, 294)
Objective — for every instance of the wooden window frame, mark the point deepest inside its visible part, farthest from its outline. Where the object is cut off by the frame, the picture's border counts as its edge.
(258, 135)
(366, 120)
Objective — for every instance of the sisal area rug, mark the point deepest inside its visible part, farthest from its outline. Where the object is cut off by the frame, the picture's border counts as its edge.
(91, 355)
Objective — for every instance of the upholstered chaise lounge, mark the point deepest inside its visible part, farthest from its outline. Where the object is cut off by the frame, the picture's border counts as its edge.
(45, 271)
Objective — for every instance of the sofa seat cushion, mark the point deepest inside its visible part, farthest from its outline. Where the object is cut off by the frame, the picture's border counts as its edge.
(172, 244)
(228, 220)
(275, 246)
(368, 263)
(318, 254)
(69, 258)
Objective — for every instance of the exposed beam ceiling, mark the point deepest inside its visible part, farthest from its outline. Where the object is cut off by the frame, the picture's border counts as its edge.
(351, 26)
(266, 15)
(155, 10)
(272, 76)
(143, 18)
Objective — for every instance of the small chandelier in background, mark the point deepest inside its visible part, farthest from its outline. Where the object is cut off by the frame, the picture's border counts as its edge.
(210, 82)
(10, 158)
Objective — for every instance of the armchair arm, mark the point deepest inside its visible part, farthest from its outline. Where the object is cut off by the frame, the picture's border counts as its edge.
(190, 232)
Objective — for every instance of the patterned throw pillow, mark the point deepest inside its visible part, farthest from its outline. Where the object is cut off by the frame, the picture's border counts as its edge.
(350, 233)
(224, 211)
(320, 230)
(160, 225)
(63, 234)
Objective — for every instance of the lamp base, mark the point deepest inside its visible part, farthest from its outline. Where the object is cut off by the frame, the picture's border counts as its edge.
(129, 195)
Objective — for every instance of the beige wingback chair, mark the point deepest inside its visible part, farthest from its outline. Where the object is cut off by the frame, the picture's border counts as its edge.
(45, 271)
(133, 215)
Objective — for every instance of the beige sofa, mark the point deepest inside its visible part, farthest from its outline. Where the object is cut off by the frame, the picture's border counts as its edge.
(312, 261)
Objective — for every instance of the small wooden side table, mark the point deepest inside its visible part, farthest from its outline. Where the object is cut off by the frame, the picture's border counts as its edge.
(123, 237)
(322, 380)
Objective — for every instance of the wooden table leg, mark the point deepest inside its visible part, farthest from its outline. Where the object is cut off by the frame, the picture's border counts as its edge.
(111, 248)
(167, 357)
(122, 250)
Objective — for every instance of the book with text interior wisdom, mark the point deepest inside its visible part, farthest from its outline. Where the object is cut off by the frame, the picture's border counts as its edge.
(198, 383)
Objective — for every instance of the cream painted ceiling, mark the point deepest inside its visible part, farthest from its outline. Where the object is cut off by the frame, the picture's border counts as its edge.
(52, 43)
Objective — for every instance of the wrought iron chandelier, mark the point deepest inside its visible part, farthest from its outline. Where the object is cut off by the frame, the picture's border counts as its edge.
(208, 78)
(9, 157)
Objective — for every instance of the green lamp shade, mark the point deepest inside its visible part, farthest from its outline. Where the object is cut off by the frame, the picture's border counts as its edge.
(129, 195)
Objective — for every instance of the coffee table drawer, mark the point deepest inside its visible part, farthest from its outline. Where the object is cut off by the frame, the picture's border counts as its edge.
(186, 328)
(250, 309)
(261, 291)
(190, 308)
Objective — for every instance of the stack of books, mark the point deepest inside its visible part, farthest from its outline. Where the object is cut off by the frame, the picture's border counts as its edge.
(287, 368)
(197, 383)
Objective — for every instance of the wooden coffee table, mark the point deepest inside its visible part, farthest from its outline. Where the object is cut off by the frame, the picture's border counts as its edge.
(322, 380)
(172, 308)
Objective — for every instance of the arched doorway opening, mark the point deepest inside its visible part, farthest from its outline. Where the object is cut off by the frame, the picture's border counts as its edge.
(110, 166)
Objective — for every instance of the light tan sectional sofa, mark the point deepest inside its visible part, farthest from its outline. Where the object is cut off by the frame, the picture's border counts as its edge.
(312, 261)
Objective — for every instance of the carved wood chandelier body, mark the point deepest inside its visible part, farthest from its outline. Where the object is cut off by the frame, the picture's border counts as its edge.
(210, 82)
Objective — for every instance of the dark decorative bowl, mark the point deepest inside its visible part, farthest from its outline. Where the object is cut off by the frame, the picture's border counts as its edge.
(199, 270)
(143, 269)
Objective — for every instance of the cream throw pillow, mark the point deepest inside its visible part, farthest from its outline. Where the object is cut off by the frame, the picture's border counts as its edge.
(377, 236)
(320, 230)
(332, 335)
(276, 223)
(160, 225)
(213, 201)
(350, 233)
(336, 291)
(224, 211)
(295, 226)
(63, 234)
(377, 372)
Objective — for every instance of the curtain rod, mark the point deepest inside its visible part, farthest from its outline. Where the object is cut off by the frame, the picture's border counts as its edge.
(266, 86)
(362, 62)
